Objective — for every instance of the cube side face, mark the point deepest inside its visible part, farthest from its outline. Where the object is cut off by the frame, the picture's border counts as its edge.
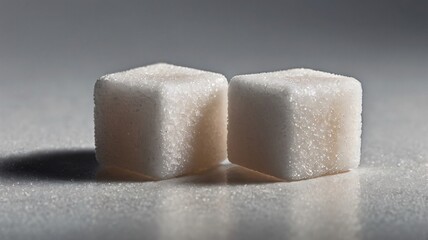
(259, 131)
(126, 126)
(193, 129)
(349, 134)
(326, 130)
(295, 131)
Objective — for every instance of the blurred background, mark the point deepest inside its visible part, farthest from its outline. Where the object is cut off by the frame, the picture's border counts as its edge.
(52, 52)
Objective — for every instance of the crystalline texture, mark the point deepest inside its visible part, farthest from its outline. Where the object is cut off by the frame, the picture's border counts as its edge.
(295, 124)
(161, 120)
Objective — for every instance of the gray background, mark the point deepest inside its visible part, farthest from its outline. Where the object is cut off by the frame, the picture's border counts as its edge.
(51, 53)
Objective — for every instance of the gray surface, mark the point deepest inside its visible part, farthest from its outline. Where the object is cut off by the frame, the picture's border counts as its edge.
(51, 52)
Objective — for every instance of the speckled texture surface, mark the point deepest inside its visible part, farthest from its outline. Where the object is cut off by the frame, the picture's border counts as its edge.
(160, 121)
(295, 124)
(49, 191)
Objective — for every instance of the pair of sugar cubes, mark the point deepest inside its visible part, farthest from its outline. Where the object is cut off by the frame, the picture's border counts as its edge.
(163, 121)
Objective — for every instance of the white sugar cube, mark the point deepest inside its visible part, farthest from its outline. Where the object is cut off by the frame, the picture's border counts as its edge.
(161, 121)
(295, 124)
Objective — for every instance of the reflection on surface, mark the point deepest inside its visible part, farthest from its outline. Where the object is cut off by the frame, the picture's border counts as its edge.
(228, 174)
(231, 202)
(198, 207)
(327, 208)
(193, 212)
(114, 174)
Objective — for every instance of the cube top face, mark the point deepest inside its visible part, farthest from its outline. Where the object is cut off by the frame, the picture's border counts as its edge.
(295, 124)
(299, 81)
(161, 121)
(163, 75)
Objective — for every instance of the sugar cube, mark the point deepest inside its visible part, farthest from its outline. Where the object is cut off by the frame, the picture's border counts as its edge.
(295, 124)
(161, 121)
